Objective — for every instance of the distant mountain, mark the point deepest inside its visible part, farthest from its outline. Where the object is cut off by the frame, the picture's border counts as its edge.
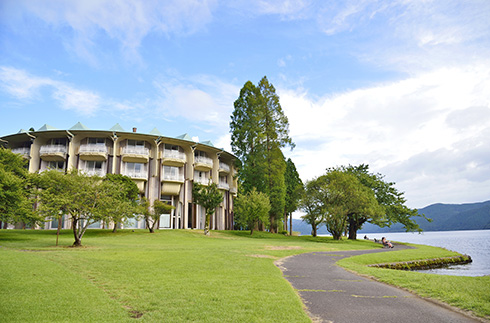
(445, 217)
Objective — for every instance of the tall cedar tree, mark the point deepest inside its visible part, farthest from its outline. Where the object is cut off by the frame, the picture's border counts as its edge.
(259, 129)
(392, 201)
(209, 197)
(294, 191)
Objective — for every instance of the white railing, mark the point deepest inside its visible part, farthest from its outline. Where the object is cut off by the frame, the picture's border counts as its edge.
(93, 148)
(22, 151)
(224, 166)
(136, 174)
(223, 186)
(136, 150)
(167, 153)
(203, 160)
(95, 172)
(201, 180)
(173, 177)
(48, 149)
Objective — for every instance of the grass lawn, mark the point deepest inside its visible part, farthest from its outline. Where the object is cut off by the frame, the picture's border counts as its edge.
(176, 276)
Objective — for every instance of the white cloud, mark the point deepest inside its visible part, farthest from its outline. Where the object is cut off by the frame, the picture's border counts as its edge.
(201, 99)
(126, 21)
(27, 87)
(406, 130)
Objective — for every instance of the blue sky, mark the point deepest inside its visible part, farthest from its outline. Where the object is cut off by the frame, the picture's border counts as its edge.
(403, 86)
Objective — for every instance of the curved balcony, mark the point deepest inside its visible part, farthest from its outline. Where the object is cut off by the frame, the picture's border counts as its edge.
(53, 152)
(223, 186)
(23, 151)
(224, 168)
(93, 152)
(135, 154)
(173, 158)
(203, 163)
(137, 175)
(176, 178)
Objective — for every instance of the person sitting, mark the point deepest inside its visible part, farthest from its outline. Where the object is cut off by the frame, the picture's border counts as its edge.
(366, 238)
(386, 243)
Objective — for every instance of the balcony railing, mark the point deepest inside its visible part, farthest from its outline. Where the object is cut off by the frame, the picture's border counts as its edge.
(167, 153)
(204, 160)
(136, 150)
(22, 151)
(140, 175)
(224, 186)
(95, 172)
(50, 149)
(201, 180)
(173, 177)
(223, 166)
(93, 149)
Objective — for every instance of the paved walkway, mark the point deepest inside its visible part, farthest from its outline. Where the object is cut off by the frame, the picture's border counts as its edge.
(333, 294)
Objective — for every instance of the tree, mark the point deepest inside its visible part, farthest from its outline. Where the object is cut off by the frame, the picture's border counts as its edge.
(75, 194)
(312, 204)
(209, 197)
(252, 208)
(294, 191)
(344, 196)
(122, 194)
(259, 129)
(388, 197)
(15, 203)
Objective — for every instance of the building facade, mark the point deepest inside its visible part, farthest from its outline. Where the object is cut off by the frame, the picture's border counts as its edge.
(164, 168)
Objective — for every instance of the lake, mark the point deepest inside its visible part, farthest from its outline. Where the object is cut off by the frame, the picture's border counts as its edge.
(475, 243)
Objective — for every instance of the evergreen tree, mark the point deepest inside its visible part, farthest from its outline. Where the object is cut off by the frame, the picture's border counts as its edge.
(294, 192)
(259, 129)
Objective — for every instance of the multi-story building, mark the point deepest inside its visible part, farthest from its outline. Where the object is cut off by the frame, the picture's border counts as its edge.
(163, 167)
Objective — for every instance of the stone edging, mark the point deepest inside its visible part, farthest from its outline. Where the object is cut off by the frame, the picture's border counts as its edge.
(426, 263)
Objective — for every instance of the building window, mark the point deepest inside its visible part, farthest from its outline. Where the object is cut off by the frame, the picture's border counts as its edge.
(58, 165)
(96, 141)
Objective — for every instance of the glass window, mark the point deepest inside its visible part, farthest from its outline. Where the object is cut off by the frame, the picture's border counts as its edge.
(96, 141)
(136, 143)
(93, 165)
(56, 165)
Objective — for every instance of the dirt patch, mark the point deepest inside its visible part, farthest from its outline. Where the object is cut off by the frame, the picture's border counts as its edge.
(282, 247)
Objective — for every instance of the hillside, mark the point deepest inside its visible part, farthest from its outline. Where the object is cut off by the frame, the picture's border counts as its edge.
(445, 217)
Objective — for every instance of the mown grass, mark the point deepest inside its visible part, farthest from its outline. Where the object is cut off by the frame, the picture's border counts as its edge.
(172, 276)
(467, 293)
(182, 275)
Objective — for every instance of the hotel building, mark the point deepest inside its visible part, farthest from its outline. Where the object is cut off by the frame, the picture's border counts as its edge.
(162, 167)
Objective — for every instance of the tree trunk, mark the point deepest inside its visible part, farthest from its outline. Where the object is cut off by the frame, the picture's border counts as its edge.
(291, 224)
(285, 221)
(114, 230)
(58, 231)
(352, 230)
(313, 231)
(272, 225)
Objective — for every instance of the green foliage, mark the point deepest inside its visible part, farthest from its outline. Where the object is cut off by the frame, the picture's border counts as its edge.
(209, 197)
(15, 203)
(252, 208)
(312, 204)
(259, 129)
(388, 197)
(122, 194)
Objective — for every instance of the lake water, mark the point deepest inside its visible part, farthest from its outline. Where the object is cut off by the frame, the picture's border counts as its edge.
(475, 243)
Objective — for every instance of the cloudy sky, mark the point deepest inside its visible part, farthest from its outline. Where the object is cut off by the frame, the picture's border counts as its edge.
(401, 85)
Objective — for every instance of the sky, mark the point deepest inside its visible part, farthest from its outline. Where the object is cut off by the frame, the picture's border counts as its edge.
(400, 85)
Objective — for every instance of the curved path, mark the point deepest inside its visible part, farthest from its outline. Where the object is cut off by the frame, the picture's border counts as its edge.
(333, 294)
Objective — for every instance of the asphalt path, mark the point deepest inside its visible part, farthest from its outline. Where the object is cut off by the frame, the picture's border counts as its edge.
(332, 294)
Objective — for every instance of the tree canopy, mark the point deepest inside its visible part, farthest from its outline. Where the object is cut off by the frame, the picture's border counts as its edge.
(294, 192)
(252, 208)
(209, 197)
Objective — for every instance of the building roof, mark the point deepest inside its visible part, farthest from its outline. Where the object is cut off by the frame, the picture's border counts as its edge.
(117, 127)
(156, 132)
(79, 126)
(47, 127)
(185, 136)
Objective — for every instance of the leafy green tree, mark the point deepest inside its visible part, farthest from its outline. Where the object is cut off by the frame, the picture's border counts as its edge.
(252, 208)
(122, 194)
(388, 197)
(259, 129)
(209, 197)
(75, 194)
(312, 204)
(294, 192)
(15, 203)
(342, 194)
